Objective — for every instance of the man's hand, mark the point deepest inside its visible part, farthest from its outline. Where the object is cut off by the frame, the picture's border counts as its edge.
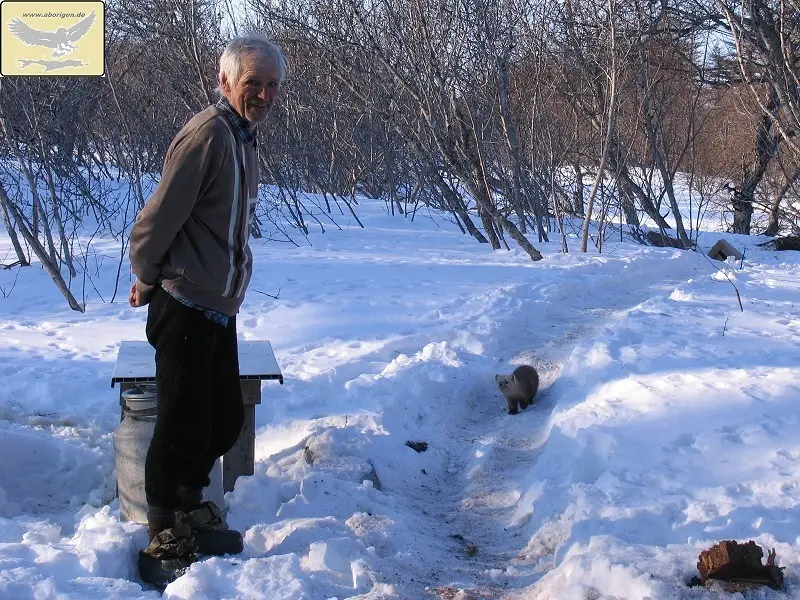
(135, 298)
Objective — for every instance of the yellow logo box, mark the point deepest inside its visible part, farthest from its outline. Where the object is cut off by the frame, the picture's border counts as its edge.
(52, 38)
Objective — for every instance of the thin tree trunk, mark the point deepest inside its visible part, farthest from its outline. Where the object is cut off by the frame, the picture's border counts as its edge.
(627, 193)
(511, 141)
(50, 265)
(488, 227)
(38, 213)
(456, 203)
(559, 216)
(660, 163)
(774, 207)
(765, 149)
(521, 180)
(12, 234)
(612, 99)
(490, 213)
(742, 212)
(577, 198)
(479, 184)
(66, 254)
(137, 171)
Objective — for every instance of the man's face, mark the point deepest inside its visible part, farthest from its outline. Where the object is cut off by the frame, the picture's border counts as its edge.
(252, 95)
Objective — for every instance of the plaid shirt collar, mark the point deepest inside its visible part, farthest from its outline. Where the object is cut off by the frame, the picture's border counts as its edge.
(238, 124)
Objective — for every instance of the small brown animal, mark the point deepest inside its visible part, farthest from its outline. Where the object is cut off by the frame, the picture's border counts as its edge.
(519, 388)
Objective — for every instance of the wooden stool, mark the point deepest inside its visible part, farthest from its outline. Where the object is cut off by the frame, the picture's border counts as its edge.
(136, 363)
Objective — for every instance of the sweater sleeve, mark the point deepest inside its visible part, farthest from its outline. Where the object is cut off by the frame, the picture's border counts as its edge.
(189, 164)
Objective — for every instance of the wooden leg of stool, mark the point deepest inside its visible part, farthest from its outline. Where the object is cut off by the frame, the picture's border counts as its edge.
(240, 460)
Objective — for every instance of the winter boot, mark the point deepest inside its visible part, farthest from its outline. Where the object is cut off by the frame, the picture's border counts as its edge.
(169, 554)
(209, 527)
(171, 550)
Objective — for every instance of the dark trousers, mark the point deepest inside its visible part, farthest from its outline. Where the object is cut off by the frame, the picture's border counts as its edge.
(200, 409)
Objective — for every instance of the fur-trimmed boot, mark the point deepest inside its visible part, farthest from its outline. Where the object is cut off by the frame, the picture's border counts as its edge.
(208, 524)
(171, 550)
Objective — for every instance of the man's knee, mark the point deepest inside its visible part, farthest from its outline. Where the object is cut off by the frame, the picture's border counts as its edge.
(181, 436)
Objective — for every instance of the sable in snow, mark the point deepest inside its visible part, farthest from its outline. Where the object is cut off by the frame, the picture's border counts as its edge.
(519, 388)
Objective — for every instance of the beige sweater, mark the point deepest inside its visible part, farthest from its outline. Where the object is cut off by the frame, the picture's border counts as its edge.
(192, 235)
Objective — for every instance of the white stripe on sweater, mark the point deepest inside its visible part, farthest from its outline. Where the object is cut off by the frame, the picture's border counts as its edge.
(246, 231)
(235, 211)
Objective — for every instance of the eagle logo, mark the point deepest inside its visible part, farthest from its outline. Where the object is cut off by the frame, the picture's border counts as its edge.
(62, 40)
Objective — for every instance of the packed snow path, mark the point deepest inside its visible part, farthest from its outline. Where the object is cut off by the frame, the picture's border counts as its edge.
(471, 515)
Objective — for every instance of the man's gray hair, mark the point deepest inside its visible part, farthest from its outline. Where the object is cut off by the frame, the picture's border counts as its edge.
(232, 61)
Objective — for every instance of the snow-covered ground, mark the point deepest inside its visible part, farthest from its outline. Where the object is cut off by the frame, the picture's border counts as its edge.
(668, 420)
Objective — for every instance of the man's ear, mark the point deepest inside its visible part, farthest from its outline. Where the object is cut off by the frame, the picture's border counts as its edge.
(223, 83)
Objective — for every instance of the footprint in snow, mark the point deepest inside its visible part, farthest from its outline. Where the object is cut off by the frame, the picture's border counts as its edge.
(683, 443)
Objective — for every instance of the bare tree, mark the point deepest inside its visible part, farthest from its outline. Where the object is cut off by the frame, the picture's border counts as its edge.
(385, 56)
(765, 36)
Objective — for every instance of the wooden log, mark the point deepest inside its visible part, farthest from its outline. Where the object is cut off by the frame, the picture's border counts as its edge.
(789, 242)
(731, 561)
(662, 240)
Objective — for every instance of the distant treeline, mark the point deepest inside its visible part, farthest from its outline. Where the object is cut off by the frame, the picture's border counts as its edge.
(507, 114)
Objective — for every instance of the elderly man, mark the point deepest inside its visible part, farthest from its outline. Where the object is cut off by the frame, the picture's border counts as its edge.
(189, 251)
